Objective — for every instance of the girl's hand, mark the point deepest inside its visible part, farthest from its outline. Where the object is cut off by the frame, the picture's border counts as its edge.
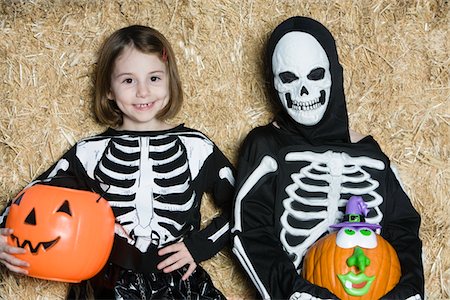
(120, 231)
(180, 257)
(6, 254)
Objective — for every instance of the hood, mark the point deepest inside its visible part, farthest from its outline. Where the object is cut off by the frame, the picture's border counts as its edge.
(333, 125)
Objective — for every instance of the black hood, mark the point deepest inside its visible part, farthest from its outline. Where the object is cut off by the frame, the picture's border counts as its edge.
(333, 127)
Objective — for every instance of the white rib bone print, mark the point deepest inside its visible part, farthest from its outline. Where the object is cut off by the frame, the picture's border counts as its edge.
(319, 186)
(148, 183)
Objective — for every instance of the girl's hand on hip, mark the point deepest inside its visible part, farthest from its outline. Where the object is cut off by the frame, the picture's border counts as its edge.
(179, 258)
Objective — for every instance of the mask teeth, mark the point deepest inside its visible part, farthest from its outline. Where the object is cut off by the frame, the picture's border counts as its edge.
(313, 104)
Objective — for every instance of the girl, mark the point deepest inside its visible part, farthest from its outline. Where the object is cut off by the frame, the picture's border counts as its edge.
(152, 173)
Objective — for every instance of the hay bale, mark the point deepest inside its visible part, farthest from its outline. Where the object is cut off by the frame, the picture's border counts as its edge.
(395, 56)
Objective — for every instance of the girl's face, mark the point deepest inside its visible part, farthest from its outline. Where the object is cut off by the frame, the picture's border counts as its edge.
(140, 87)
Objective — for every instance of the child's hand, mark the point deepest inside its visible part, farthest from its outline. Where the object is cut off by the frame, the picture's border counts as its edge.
(178, 259)
(6, 254)
(120, 231)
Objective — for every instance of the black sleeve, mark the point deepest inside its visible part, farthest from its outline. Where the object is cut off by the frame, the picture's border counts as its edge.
(66, 172)
(218, 180)
(401, 229)
(255, 242)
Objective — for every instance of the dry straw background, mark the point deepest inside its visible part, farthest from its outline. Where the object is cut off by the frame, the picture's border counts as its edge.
(395, 55)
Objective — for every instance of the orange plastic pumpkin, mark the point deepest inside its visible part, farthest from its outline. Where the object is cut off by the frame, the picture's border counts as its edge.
(68, 233)
(335, 268)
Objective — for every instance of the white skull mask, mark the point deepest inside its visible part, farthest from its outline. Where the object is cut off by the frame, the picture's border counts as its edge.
(302, 77)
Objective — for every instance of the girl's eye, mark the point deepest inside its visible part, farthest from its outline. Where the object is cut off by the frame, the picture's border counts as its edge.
(154, 78)
(128, 80)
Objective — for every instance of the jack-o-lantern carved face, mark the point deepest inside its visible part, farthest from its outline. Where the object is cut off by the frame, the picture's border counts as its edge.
(68, 234)
(354, 263)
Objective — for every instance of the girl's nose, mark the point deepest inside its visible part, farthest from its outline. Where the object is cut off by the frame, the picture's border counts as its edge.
(358, 259)
(142, 90)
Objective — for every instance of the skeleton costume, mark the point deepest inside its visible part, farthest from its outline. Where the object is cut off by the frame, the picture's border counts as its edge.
(154, 182)
(296, 174)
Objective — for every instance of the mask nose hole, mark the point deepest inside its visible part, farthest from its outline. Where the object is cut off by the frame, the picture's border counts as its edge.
(303, 91)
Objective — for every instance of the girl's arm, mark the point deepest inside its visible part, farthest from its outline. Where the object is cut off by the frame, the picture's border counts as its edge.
(217, 177)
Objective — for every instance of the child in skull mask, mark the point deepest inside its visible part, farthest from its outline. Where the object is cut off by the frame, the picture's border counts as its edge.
(296, 174)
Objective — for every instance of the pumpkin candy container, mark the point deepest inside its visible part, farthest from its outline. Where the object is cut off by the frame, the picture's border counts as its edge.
(354, 262)
(68, 234)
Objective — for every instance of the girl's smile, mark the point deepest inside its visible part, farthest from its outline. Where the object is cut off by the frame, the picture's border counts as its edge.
(144, 106)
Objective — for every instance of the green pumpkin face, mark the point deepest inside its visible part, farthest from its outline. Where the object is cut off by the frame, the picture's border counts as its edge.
(356, 282)
(359, 264)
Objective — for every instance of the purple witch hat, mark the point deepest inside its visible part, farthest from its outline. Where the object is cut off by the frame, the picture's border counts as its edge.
(355, 213)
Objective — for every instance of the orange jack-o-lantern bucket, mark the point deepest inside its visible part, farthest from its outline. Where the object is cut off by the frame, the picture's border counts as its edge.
(68, 234)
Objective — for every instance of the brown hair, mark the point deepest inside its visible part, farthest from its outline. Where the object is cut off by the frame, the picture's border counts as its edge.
(146, 40)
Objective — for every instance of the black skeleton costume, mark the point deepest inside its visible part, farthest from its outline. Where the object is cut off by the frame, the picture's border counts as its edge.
(154, 182)
(296, 174)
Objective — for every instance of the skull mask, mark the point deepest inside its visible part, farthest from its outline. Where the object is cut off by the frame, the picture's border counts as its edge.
(302, 77)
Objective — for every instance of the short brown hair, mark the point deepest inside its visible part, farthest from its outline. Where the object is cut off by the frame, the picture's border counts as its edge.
(146, 40)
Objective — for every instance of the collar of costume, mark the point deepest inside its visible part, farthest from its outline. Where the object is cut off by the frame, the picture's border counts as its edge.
(333, 126)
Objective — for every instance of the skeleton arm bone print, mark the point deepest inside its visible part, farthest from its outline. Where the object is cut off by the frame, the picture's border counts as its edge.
(267, 166)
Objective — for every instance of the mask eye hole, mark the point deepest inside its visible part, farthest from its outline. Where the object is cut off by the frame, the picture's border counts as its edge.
(65, 208)
(288, 77)
(316, 74)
